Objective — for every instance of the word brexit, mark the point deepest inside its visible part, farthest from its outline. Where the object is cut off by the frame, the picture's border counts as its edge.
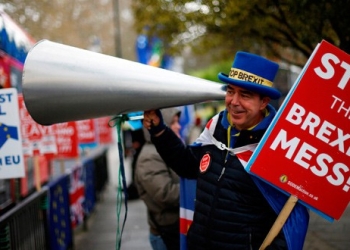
(308, 156)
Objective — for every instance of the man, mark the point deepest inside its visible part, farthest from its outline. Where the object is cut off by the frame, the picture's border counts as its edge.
(159, 188)
(233, 210)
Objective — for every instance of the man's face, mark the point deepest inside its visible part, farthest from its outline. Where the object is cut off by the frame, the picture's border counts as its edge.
(244, 107)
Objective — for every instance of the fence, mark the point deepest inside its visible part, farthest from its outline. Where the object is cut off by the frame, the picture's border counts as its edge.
(46, 219)
(24, 227)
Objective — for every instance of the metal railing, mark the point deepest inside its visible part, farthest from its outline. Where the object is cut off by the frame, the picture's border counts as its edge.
(24, 226)
(42, 220)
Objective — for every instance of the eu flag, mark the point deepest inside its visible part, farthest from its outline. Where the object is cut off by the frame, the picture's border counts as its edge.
(7, 132)
(60, 231)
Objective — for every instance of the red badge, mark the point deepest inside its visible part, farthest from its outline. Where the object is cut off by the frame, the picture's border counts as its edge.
(205, 162)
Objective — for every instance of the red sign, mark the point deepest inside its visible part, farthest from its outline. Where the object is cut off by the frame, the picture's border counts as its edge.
(86, 131)
(306, 150)
(36, 139)
(5, 77)
(66, 140)
(105, 132)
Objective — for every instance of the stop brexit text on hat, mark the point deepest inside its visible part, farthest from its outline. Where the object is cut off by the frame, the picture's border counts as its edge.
(306, 150)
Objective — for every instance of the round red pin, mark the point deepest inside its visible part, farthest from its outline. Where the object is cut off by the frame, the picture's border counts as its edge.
(205, 162)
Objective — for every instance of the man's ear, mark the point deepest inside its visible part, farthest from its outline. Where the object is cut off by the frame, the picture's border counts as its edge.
(265, 100)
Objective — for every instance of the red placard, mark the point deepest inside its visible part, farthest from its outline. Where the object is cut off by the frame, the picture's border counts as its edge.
(105, 132)
(86, 131)
(5, 77)
(66, 140)
(37, 172)
(306, 150)
(36, 139)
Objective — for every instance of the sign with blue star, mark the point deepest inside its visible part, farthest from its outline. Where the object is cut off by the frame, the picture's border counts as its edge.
(11, 152)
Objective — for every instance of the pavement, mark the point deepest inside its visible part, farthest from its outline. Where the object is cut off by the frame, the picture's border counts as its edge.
(101, 230)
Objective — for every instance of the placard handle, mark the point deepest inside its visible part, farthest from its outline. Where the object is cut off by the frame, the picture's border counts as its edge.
(279, 222)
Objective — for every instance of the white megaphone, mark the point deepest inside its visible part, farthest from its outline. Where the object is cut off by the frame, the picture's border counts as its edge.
(63, 83)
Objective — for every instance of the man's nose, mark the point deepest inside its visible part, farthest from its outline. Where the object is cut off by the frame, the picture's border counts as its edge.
(234, 99)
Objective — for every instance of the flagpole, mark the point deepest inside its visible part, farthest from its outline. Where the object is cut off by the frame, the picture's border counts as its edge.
(37, 175)
(279, 222)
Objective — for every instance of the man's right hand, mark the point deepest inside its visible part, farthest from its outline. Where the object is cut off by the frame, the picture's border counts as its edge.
(153, 122)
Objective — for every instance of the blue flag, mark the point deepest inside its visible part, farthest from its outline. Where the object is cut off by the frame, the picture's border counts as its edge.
(60, 230)
(7, 132)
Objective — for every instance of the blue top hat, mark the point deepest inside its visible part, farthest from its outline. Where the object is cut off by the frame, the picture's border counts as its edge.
(254, 73)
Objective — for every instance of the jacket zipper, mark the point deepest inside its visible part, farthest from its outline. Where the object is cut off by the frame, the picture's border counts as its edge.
(250, 241)
(222, 173)
(224, 168)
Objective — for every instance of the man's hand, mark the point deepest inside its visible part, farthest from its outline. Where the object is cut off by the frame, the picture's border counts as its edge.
(153, 122)
(150, 118)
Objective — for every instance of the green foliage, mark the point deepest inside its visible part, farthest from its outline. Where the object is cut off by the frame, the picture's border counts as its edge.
(211, 73)
(72, 22)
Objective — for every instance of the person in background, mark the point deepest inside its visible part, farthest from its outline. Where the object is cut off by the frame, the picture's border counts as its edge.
(233, 209)
(138, 140)
(195, 130)
(159, 187)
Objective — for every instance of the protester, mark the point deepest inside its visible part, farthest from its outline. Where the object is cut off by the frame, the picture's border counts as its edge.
(233, 209)
(159, 188)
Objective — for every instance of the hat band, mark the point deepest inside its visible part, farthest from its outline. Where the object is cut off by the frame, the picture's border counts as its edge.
(248, 77)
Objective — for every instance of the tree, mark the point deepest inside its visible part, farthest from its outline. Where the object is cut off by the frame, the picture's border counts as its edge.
(287, 30)
(81, 23)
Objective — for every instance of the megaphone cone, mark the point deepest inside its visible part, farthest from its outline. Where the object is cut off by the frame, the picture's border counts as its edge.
(63, 83)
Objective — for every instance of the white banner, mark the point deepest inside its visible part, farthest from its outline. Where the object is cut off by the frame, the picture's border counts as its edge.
(11, 153)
